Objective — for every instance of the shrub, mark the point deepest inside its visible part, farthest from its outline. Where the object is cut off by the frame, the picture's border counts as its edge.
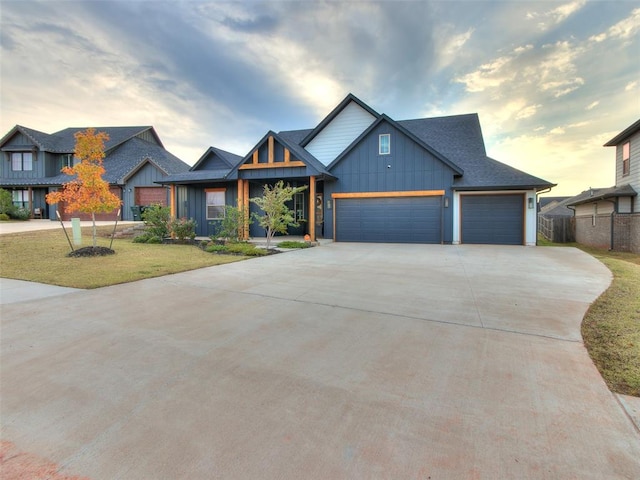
(215, 248)
(154, 239)
(292, 244)
(20, 214)
(245, 249)
(183, 228)
(144, 238)
(4, 217)
(156, 219)
(6, 202)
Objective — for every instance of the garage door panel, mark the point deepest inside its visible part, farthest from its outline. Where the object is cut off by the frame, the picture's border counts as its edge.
(391, 220)
(492, 219)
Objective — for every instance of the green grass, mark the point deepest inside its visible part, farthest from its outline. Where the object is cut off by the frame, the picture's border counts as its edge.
(611, 326)
(293, 244)
(41, 256)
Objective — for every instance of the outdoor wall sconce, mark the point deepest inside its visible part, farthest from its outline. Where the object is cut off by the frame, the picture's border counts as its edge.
(530, 202)
(446, 202)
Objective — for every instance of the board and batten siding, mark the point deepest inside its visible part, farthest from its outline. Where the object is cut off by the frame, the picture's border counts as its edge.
(339, 133)
(409, 167)
(633, 178)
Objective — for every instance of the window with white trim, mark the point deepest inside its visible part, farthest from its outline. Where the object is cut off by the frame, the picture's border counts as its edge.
(626, 158)
(20, 198)
(215, 203)
(384, 144)
(21, 161)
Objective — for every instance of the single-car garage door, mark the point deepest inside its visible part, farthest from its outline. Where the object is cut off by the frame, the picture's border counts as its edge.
(389, 220)
(493, 219)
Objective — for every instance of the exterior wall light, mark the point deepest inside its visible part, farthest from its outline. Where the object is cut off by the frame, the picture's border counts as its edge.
(530, 202)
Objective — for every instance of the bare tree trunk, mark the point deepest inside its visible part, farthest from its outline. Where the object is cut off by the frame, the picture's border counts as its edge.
(95, 233)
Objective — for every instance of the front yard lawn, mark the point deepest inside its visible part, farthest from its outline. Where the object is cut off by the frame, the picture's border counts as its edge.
(41, 256)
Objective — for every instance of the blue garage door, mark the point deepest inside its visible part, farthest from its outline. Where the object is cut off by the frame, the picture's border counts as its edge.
(493, 219)
(389, 220)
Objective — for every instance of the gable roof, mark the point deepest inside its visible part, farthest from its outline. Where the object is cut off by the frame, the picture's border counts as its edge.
(131, 155)
(384, 118)
(40, 139)
(231, 159)
(65, 140)
(299, 152)
(622, 136)
(334, 113)
(556, 208)
(459, 138)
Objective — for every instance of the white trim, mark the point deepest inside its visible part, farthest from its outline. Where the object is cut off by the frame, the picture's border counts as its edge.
(530, 220)
(380, 152)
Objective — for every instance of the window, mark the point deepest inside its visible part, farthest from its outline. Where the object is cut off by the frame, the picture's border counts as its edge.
(20, 198)
(298, 206)
(21, 161)
(626, 158)
(215, 203)
(66, 160)
(384, 144)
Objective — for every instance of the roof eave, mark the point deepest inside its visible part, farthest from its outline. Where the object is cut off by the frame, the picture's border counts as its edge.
(627, 132)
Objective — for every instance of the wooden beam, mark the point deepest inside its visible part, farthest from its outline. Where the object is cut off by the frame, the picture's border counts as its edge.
(240, 193)
(411, 193)
(255, 157)
(245, 209)
(312, 208)
(271, 149)
(251, 166)
(287, 155)
(172, 200)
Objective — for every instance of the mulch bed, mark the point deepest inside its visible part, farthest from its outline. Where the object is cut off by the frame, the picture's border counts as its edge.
(91, 252)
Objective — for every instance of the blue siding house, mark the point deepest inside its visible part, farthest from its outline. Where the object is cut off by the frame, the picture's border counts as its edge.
(135, 160)
(371, 178)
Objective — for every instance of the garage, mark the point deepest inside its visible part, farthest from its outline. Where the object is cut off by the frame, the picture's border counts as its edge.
(408, 219)
(492, 219)
(151, 196)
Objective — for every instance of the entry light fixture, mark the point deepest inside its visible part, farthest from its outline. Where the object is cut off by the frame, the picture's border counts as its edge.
(446, 202)
(530, 201)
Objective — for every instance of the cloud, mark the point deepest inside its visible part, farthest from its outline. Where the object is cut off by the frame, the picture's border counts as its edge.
(592, 105)
(556, 15)
(631, 86)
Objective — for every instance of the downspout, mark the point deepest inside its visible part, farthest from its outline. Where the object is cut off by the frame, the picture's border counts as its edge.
(613, 212)
(546, 190)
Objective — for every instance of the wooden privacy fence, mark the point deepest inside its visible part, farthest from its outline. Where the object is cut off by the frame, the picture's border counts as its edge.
(557, 229)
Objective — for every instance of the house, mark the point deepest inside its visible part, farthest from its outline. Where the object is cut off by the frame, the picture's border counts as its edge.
(610, 217)
(134, 160)
(371, 178)
(555, 219)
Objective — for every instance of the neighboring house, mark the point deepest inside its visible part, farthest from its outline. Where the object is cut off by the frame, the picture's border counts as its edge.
(372, 179)
(555, 219)
(134, 160)
(610, 217)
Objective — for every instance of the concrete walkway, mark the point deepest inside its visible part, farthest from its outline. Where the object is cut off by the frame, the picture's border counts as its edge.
(341, 361)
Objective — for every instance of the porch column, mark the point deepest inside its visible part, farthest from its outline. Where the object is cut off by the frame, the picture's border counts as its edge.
(31, 202)
(312, 208)
(240, 204)
(245, 208)
(172, 200)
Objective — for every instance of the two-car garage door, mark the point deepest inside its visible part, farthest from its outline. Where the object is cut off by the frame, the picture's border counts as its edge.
(493, 219)
(389, 220)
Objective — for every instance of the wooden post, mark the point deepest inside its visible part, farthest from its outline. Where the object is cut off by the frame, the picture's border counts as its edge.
(287, 155)
(255, 157)
(172, 200)
(245, 209)
(312, 208)
(240, 204)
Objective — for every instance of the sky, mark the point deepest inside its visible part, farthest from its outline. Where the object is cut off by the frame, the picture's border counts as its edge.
(551, 81)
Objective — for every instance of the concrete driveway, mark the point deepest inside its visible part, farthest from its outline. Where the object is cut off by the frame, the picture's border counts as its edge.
(338, 362)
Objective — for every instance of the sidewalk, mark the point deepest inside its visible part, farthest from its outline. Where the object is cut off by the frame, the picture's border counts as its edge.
(35, 225)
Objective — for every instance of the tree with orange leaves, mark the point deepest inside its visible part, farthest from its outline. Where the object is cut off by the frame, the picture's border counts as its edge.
(88, 192)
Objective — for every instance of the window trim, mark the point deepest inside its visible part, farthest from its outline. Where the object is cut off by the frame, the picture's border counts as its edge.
(626, 158)
(388, 137)
(20, 198)
(21, 161)
(207, 204)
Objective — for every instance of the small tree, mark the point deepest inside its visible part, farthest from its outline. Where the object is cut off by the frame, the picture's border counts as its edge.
(276, 216)
(231, 227)
(88, 192)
